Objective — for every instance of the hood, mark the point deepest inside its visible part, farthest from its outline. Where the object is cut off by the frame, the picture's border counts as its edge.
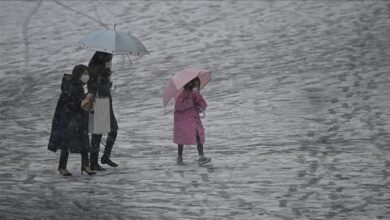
(66, 82)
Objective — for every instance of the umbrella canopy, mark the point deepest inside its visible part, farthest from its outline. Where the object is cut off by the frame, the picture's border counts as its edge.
(114, 42)
(175, 85)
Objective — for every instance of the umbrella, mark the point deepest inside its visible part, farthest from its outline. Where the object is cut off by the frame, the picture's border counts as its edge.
(114, 42)
(175, 85)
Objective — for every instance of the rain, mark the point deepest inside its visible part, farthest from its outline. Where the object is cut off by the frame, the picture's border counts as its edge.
(297, 123)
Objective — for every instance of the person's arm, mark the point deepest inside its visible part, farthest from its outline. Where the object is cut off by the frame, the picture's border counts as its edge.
(184, 102)
(73, 98)
(199, 100)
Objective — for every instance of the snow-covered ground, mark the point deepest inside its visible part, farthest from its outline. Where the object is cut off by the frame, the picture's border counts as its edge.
(297, 124)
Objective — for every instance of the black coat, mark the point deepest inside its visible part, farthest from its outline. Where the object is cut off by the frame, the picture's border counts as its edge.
(99, 84)
(70, 122)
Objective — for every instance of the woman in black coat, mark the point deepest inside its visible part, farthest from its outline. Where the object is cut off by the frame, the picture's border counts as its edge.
(99, 86)
(70, 123)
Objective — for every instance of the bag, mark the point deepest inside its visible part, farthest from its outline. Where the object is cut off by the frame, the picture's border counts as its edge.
(100, 119)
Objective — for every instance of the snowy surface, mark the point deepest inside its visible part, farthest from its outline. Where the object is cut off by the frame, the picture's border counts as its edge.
(297, 125)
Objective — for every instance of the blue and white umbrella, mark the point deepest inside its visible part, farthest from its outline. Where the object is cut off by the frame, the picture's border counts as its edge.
(114, 42)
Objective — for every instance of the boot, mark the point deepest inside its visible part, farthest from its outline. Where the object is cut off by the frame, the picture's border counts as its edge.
(106, 157)
(64, 172)
(179, 161)
(85, 164)
(109, 162)
(107, 149)
(94, 162)
(95, 154)
(97, 167)
(203, 160)
(88, 170)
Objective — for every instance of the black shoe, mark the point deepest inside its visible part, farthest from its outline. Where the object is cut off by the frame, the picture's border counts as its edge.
(97, 167)
(64, 172)
(108, 162)
(203, 160)
(179, 161)
(87, 170)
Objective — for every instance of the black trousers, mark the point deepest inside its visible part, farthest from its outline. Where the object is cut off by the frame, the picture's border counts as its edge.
(65, 155)
(95, 146)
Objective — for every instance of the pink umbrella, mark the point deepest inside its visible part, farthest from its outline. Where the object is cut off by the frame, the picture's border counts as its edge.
(175, 85)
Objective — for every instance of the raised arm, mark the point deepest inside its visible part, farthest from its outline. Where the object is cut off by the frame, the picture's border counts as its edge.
(74, 96)
(199, 100)
(184, 102)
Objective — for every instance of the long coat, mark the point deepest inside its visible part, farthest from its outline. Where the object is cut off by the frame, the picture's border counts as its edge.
(99, 85)
(70, 123)
(187, 123)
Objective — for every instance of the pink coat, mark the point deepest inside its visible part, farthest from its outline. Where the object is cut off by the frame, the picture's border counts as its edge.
(187, 122)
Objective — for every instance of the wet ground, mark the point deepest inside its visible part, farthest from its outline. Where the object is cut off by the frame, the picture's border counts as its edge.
(297, 124)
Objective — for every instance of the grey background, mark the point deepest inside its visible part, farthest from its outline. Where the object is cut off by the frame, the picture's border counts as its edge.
(297, 124)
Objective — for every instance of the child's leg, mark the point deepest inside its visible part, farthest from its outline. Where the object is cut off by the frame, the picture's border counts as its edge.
(202, 159)
(179, 159)
(199, 146)
(180, 149)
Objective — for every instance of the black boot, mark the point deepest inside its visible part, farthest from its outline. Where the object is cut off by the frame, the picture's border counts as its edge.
(109, 162)
(95, 145)
(202, 159)
(94, 162)
(97, 167)
(179, 159)
(107, 150)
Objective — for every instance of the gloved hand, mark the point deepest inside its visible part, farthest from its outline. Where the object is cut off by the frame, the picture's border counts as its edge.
(198, 109)
(87, 103)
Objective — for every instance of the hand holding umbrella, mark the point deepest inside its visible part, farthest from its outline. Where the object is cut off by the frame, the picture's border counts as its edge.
(175, 85)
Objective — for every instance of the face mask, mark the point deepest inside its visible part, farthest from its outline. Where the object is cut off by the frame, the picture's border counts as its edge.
(84, 78)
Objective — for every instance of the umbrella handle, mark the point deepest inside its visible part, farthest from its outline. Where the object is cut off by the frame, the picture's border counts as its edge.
(200, 110)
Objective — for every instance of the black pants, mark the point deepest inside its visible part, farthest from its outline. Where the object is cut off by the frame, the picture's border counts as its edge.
(64, 159)
(198, 145)
(95, 146)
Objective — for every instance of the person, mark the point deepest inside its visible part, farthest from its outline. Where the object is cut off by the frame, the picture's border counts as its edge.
(99, 86)
(188, 128)
(70, 122)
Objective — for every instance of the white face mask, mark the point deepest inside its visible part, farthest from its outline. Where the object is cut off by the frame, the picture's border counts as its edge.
(84, 78)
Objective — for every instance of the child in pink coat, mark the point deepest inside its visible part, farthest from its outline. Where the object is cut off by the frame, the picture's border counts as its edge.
(188, 128)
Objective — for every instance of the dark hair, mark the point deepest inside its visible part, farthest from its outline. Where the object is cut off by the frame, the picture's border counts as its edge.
(100, 57)
(190, 85)
(78, 70)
